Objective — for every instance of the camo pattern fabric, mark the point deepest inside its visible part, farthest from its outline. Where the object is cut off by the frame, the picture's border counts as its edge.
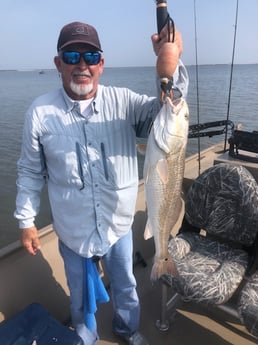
(209, 271)
(223, 200)
(248, 304)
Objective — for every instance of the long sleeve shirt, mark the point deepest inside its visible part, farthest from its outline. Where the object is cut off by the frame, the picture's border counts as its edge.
(90, 164)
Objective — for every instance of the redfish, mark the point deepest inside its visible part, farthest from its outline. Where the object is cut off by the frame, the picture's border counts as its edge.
(163, 176)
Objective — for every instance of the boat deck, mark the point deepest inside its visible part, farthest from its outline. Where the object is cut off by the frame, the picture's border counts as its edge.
(26, 279)
(192, 324)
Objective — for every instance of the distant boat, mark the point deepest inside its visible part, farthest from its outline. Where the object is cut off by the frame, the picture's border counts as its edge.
(41, 72)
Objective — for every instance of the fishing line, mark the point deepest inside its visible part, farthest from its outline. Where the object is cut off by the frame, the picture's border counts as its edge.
(231, 72)
(197, 87)
(171, 25)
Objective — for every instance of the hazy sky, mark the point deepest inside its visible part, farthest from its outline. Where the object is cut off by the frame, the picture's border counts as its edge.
(29, 30)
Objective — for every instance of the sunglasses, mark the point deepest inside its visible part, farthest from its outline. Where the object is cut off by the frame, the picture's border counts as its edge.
(73, 58)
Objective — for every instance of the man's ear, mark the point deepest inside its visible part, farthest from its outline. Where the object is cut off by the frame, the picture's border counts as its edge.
(57, 62)
(101, 66)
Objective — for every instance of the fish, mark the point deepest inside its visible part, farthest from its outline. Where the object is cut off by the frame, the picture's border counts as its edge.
(163, 173)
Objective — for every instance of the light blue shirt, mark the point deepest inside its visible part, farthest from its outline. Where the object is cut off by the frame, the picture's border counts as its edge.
(90, 165)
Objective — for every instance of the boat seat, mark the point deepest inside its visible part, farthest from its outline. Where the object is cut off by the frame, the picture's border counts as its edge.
(215, 250)
(248, 304)
(245, 142)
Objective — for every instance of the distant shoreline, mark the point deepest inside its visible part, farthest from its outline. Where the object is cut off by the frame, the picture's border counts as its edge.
(28, 70)
(192, 65)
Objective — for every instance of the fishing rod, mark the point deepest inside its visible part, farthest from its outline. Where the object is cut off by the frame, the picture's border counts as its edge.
(166, 77)
(231, 70)
(162, 14)
(163, 18)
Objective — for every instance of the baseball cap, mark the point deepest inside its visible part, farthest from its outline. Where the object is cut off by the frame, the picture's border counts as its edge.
(77, 32)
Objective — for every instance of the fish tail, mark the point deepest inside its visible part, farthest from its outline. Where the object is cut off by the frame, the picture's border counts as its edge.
(163, 266)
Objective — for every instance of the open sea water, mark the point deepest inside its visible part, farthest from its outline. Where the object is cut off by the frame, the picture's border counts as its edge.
(19, 88)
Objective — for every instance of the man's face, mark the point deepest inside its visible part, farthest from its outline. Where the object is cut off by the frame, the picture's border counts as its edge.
(80, 80)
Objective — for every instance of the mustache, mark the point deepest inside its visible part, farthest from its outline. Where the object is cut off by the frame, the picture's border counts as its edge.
(82, 74)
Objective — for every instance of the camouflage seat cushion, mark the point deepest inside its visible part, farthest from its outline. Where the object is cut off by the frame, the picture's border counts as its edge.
(248, 304)
(209, 271)
(223, 201)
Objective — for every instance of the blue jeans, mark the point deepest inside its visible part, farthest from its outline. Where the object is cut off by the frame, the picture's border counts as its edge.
(118, 263)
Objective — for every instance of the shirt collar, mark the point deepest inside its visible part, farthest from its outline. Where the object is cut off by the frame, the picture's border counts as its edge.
(72, 104)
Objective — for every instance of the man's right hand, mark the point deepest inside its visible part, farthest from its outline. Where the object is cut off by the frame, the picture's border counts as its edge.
(159, 40)
(30, 240)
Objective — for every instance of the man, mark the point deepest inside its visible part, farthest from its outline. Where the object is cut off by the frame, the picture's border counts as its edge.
(81, 139)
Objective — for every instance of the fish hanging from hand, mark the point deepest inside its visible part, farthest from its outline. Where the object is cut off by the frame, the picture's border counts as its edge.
(163, 175)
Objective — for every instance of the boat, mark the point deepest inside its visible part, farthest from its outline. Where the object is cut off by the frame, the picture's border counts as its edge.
(27, 279)
(41, 279)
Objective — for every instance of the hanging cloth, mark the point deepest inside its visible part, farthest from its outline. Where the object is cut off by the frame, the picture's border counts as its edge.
(94, 291)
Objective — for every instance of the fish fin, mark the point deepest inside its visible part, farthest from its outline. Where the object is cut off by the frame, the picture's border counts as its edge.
(180, 206)
(148, 233)
(162, 169)
(163, 266)
(180, 210)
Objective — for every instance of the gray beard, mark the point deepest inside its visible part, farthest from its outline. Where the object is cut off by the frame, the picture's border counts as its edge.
(81, 90)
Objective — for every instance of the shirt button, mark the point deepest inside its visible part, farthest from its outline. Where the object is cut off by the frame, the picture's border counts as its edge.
(97, 249)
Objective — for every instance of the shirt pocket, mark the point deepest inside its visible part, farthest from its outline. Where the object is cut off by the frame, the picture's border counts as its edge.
(63, 163)
(119, 162)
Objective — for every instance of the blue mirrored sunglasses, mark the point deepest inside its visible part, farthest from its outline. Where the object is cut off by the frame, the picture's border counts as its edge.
(72, 57)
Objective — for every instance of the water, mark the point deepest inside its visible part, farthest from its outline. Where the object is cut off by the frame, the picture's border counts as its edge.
(19, 88)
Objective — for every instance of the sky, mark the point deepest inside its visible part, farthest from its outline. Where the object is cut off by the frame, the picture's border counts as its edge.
(30, 28)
